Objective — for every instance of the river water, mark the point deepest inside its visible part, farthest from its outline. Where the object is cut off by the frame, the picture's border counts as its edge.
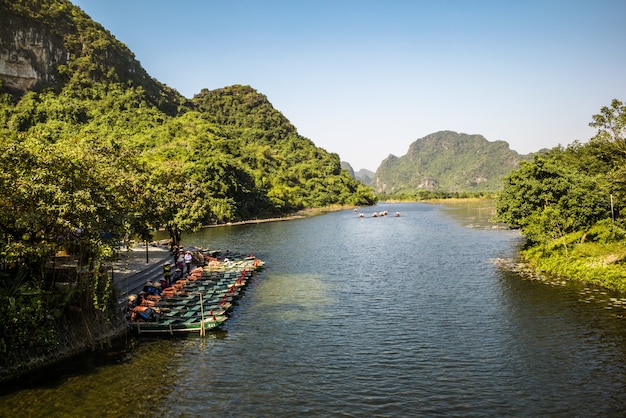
(355, 317)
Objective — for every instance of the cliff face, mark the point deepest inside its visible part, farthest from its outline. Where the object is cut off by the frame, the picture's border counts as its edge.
(29, 54)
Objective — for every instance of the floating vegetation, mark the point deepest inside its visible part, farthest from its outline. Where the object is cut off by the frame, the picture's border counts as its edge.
(611, 303)
(601, 296)
(526, 272)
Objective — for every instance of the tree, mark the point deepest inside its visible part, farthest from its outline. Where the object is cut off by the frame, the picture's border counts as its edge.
(546, 197)
(611, 123)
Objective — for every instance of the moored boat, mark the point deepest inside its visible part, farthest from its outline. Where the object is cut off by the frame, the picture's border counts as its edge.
(178, 325)
(198, 303)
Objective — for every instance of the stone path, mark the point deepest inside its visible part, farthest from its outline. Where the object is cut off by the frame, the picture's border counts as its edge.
(131, 271)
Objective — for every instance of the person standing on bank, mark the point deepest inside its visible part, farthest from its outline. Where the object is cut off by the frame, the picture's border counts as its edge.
(180, 259)
(167, 272)
(188, 259)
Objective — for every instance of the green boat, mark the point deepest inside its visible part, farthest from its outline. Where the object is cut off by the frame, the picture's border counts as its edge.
(178, 325)
(201, 304)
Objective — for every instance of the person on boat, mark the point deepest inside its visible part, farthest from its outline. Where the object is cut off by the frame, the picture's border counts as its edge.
(148, 287)
(178, 274)
(131, 302)
(144, 314)
(142, 300)
(188, 260)
(157, 289)
(167, 272)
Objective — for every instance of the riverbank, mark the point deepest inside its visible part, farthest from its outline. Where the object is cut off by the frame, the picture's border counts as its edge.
(593, 258)
(590, 263)
(81, 328)
(301, 214)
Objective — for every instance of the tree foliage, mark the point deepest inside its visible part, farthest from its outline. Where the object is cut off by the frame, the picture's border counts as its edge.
(107, 152)
(571, 189)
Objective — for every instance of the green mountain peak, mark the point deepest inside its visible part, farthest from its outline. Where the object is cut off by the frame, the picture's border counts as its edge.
(448, 161)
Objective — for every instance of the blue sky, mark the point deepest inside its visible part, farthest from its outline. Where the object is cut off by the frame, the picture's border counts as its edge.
(366, 78)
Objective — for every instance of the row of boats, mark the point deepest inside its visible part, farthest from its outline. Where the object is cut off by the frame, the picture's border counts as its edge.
(201, 301)
(377, 214)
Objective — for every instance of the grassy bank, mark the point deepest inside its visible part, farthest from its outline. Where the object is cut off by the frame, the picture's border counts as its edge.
(597, 257)
(304, 213)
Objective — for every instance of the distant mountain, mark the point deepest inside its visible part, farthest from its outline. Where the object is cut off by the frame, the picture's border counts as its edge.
(450, 162)
(363, 175)
(346, 166)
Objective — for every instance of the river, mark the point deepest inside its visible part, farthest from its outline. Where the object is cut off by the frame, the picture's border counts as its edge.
(355, 317)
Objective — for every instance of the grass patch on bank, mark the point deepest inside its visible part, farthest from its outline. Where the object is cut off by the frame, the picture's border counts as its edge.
(596, 258)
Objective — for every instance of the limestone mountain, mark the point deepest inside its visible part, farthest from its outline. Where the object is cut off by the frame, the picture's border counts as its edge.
(363, 175)
(450, 162)
(348, 167)
(224, 155)
(54, 44)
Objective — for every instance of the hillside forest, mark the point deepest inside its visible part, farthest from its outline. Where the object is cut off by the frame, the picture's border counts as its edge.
(106, 153)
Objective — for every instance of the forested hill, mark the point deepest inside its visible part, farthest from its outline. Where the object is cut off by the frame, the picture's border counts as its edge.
(70, 89)
(447, 161)
(51, 43)
(94, 150)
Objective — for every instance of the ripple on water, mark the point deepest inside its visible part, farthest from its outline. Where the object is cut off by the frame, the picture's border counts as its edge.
(374, 317)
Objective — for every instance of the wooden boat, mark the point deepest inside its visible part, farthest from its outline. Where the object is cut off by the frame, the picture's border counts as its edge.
(178, 325)
(199, 302)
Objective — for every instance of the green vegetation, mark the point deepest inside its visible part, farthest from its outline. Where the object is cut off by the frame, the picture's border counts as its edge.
(447, 162)
(569, 203)
(422, 195)
(106, 152)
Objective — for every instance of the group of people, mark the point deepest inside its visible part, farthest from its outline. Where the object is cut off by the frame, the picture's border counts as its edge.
(182, 259)
(141, 307)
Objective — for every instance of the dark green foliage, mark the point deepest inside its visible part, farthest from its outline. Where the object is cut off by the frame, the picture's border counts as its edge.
(98, 150)
(569, 203)
(26, 327)
(547, 183)
(566, 190)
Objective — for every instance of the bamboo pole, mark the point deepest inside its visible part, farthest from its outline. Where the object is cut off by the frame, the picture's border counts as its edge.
(201, 315)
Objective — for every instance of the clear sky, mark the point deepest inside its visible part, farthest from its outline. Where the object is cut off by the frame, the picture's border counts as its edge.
(367, 78)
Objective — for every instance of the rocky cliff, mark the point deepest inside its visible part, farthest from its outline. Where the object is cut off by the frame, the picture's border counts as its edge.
(29, 54)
